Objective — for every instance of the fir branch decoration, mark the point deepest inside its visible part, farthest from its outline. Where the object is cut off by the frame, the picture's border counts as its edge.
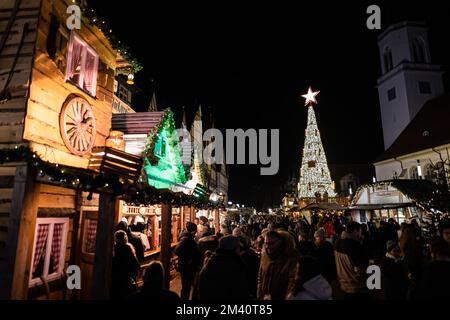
(101, 24)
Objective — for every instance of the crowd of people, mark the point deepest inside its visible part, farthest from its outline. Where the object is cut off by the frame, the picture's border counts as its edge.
(278, 258)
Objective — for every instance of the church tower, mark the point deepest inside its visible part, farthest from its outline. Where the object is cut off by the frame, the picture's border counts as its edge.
(408, 79)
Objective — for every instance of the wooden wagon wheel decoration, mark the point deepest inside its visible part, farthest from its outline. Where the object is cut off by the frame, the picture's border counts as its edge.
(77, 125)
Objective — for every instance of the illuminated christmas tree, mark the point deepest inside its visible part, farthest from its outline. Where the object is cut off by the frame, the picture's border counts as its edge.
(314, 173)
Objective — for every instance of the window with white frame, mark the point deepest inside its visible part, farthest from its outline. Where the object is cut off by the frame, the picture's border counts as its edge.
(90, 231)
(49, 250)
(82, 64)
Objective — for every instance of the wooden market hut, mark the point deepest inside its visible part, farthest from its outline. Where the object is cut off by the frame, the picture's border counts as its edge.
(55, 107)
(152, 135)
(400, 199)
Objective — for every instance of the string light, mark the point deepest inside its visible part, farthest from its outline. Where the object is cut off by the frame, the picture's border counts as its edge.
(91, 182)
(314, 173)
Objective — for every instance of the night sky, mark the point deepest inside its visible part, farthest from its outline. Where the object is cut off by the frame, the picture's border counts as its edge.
(249, 64)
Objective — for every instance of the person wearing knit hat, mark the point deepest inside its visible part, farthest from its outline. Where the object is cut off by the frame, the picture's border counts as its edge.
(395, 281)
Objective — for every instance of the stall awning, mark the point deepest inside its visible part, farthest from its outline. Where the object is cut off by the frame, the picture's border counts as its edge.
(381, 206)
(324, 206)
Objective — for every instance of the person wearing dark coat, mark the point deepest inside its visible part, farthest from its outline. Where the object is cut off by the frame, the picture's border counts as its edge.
(153, 290)
(394, 276)
(125, 267)
(277, 267)
(436, 278)
(189, 260)
(305, 246)
(251, 260)
(207, 241)
(411, 246)
(392, 230)
(309, 283)
(133, 239)
(325, 255)
(224, 277)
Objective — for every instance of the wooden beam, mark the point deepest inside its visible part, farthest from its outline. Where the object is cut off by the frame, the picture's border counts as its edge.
(192, 213)
(175, 228)
(154, 243)
(186, 214)
(104, 247)
(166, 215)
(183, 218)
(216, 220)
(19, 244)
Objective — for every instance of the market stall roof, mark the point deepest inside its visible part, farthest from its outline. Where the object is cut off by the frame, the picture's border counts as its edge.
(136, 123)
(324, 206)
(424, 193)
(381, 206)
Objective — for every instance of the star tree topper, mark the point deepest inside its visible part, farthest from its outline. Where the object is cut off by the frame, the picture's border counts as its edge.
(310, 97)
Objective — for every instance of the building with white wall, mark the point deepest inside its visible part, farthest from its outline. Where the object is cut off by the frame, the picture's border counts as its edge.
(422, 150)
(408, 79)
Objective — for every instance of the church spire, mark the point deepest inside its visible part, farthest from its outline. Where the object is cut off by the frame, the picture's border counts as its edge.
(153, 107)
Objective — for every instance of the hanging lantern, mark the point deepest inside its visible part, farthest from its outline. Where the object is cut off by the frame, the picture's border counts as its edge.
(130, 78)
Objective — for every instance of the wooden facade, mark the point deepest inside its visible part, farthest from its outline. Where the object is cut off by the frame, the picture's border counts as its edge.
(44, 105)
(47, 225)
(382, 200)
(34, 40)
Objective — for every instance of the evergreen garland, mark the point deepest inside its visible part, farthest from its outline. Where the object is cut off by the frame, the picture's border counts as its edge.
(92, 181)
(152, 137)
(116, 44)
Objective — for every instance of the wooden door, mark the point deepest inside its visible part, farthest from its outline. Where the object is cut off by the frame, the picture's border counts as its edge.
(87, 251)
